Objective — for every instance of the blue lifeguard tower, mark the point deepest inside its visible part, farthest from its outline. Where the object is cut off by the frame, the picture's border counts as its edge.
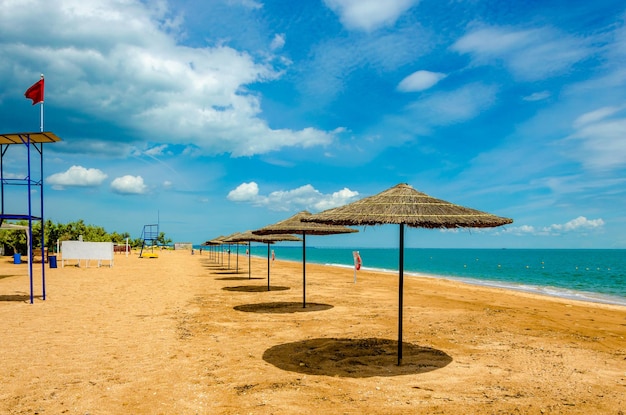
(29, 209)
(149, 237)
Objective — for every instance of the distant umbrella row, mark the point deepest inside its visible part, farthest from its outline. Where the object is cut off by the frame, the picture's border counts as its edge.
(401, 205)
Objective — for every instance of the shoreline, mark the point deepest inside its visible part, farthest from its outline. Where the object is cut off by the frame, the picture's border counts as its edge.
(555, 292)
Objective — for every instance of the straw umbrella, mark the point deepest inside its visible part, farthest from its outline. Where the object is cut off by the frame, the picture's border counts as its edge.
(403, 205)
(295, 225)
(248, 236)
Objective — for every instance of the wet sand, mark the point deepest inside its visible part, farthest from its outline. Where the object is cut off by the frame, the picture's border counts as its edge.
(185, 334)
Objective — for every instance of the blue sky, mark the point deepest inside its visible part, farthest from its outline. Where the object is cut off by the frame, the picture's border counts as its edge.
(218, 116)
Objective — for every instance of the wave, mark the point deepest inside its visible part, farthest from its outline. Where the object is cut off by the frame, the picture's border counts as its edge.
(550, 291)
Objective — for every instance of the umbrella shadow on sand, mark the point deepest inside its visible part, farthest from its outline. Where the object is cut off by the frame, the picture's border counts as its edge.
(354, 358)
(255, 288)
(227, 272)
(282, 307)
(8, 276)
(17, 297)
(240, 279)
(212, 265)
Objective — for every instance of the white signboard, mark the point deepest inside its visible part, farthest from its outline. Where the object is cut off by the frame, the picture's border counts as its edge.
(78, 250)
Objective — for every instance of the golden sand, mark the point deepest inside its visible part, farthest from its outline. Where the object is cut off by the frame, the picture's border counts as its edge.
(184, 334)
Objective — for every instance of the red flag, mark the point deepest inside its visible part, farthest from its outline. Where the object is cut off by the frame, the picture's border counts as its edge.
(35, 92)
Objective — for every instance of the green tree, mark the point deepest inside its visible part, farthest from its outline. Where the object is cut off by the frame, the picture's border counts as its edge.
(162, 240)
(15, 239)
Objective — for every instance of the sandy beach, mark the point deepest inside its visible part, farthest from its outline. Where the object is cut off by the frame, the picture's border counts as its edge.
(184, 334)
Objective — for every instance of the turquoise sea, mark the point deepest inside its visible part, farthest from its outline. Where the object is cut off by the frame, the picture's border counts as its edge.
(597, 275)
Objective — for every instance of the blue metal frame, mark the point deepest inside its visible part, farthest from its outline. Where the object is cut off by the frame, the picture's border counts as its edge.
(149, 233)
(30, 183)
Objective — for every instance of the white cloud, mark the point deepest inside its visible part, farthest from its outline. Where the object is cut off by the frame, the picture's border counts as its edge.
(19, 176)
(339, 198)
(251, 4)
(537, 96)
(529, 54)
(121, 63)
(595, 116)
(492, 41)
(303, 197)
(245, 192)
(369, 14)
(578, 225)
(419, 81)
(278, 42)
(456, 106)
(599, 143)
(521, 230)
(76, 176)
(129, 185)
(156, 151)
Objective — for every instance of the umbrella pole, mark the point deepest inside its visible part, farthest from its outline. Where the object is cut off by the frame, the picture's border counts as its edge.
(268, 266)
(249, 255)
(237, 261)
(303, 269)
(401, 291)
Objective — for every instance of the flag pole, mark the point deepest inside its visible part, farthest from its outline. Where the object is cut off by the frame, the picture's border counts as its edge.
(41, 112)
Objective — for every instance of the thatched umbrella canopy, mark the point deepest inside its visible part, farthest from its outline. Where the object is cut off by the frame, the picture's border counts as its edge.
(296, 226)
(217, 241)
(403, 205)
(248, 236)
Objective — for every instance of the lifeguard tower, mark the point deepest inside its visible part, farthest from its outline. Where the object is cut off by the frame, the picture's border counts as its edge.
(30, 205)
(149, 237)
